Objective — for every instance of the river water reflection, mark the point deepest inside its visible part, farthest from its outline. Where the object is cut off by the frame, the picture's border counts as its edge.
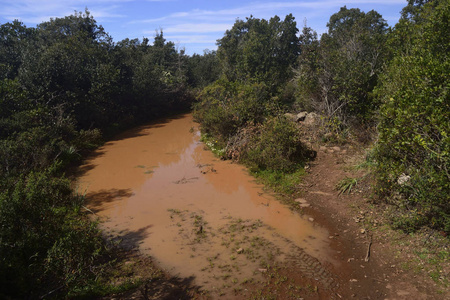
(160, 190)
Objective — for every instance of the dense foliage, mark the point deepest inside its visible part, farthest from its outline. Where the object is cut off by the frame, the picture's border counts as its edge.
(338, 73)
(257, 50)
(413, 150)
(62, 84)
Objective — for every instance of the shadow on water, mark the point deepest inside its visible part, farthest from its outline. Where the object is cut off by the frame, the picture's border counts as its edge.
(139, 131)
(76, 170)
(130, 240)
(80, 171)
(98, 199)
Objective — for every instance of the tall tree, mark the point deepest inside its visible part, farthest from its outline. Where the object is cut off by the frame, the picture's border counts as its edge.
(14, 38)
(260, 51)
(349, 60)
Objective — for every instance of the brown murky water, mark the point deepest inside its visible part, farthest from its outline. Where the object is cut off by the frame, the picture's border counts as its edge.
(158, 189)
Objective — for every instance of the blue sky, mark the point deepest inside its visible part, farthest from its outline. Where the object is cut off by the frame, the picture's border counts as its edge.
(191, 24)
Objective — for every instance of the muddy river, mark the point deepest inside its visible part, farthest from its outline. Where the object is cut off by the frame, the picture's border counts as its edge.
(159, 190)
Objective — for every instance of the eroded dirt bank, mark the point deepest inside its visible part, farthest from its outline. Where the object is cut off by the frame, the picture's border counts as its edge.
(205, 220)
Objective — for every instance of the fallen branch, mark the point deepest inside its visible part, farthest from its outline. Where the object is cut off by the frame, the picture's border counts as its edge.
(51, 292)
(368, 250)
(88, 209)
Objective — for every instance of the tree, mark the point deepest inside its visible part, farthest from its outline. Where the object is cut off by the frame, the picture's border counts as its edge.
(308, 90)
(81, 25)
(349, 59)
(258, 50)
(14, 38)
(411, 11)
(203, 69)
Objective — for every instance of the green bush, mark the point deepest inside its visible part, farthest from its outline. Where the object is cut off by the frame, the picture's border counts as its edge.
(281, 182)
(413, 150)
(45, 243)
(275, 145)
(226, 106)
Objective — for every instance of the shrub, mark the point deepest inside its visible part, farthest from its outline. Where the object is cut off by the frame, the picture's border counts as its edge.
(275, 145)
(225, 107)
(414, 141)
(45, 243)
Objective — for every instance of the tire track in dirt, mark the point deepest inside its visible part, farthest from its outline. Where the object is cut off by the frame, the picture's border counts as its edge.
(245, 255)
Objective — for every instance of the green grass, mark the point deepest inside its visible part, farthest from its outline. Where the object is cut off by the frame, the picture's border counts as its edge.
(279, 181)
(346, 185)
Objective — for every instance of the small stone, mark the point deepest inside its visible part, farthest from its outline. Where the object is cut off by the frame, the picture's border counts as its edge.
(262, 270)
(311, 219)
(301, 200)
(353, 280)
(240, 250)
(337, 149)
(305, 205)
(363, 231)
(403, 179)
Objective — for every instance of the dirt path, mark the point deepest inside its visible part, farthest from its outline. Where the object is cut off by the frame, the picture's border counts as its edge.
(371, 267)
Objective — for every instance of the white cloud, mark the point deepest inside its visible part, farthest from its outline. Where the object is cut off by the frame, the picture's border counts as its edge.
(191, 39)
(197, 27)
(32, 11)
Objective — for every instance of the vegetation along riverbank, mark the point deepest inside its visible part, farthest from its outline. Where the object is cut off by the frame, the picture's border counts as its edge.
(351, 128)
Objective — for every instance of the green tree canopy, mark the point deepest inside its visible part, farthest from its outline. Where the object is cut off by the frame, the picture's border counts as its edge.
(260, 51)
(343, 70)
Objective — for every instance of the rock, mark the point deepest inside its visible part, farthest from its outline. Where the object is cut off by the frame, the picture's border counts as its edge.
(262, 270)
(291, 117)
(311, 119)
(240, 250)
(301, 116)
(305, 205)
(311, 219)
(403, 179)
(337, 149)
(301, 200)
